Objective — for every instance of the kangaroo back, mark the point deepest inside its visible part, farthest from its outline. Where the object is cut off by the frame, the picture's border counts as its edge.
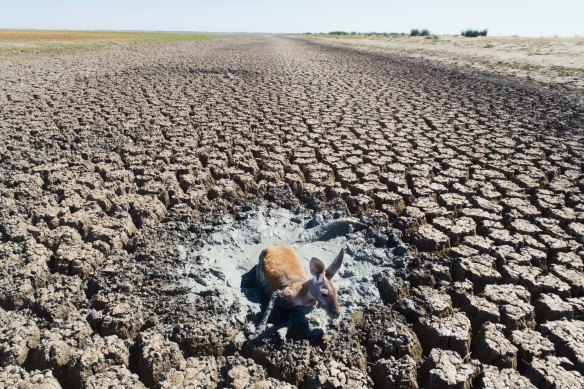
(279, 266)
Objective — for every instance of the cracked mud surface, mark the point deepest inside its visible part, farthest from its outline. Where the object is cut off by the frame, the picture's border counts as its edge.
(122, 174)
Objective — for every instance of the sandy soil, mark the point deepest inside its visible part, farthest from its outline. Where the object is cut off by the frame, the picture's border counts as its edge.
(552, 60)
(139, 184)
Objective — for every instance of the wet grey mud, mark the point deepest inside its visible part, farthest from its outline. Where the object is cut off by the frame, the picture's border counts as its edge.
(225, 263)
(138, 186)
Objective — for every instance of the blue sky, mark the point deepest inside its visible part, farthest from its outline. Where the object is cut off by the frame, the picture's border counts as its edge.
(501, 17)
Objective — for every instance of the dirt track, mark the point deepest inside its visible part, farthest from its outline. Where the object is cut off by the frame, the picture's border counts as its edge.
(118, 166)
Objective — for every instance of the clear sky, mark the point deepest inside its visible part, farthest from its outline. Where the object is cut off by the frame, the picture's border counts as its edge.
(500, 17)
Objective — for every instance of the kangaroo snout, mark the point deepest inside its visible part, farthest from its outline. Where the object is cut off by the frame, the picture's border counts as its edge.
(334, 311)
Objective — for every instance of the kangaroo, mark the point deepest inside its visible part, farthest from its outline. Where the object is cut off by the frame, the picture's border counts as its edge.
(281, 273)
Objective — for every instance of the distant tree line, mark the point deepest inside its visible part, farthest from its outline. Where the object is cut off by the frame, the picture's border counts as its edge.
(342, 33)
(414, 32)
(473, 33)
(384, 34)
(417, 32)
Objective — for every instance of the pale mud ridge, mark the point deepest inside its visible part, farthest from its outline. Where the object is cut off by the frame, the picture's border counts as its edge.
(123, 173)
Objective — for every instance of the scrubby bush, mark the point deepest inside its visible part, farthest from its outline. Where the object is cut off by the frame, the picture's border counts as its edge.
(416, 32)
(473, 33)
(338, 33)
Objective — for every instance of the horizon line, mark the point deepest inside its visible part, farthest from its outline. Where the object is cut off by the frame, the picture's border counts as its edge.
(272, 33)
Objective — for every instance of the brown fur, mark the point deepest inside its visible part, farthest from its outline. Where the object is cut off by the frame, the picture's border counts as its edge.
(280, 270)
(282, 267)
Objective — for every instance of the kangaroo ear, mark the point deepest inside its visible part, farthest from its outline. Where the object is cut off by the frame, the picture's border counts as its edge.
(317, 268)
(335, 265)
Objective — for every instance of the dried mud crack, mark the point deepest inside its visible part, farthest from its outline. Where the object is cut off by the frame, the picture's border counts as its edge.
(137, 186)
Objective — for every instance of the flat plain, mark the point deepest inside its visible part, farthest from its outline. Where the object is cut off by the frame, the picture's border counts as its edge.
(130, 172)
(55, 41)
(558, 61)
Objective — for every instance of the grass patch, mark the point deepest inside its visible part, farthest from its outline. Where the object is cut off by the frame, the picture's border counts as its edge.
(432, 39)
(519, 65)
(53, 41)
(15, 36)
(489, 46)
(531, 51)
(564, 71)
(52, 47)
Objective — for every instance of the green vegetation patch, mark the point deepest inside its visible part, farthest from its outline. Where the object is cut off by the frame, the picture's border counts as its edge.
(564, 71)
(56, 41)
(519, 65)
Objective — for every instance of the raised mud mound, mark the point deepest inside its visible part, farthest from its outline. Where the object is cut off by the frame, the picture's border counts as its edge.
(137, 189)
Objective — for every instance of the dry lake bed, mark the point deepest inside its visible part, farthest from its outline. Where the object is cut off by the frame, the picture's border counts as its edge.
(140, 178)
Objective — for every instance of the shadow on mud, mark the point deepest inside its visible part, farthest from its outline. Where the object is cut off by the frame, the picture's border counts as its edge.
(288, 323)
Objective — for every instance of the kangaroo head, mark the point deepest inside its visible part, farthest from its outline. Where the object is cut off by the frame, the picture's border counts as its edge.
(322, 287)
